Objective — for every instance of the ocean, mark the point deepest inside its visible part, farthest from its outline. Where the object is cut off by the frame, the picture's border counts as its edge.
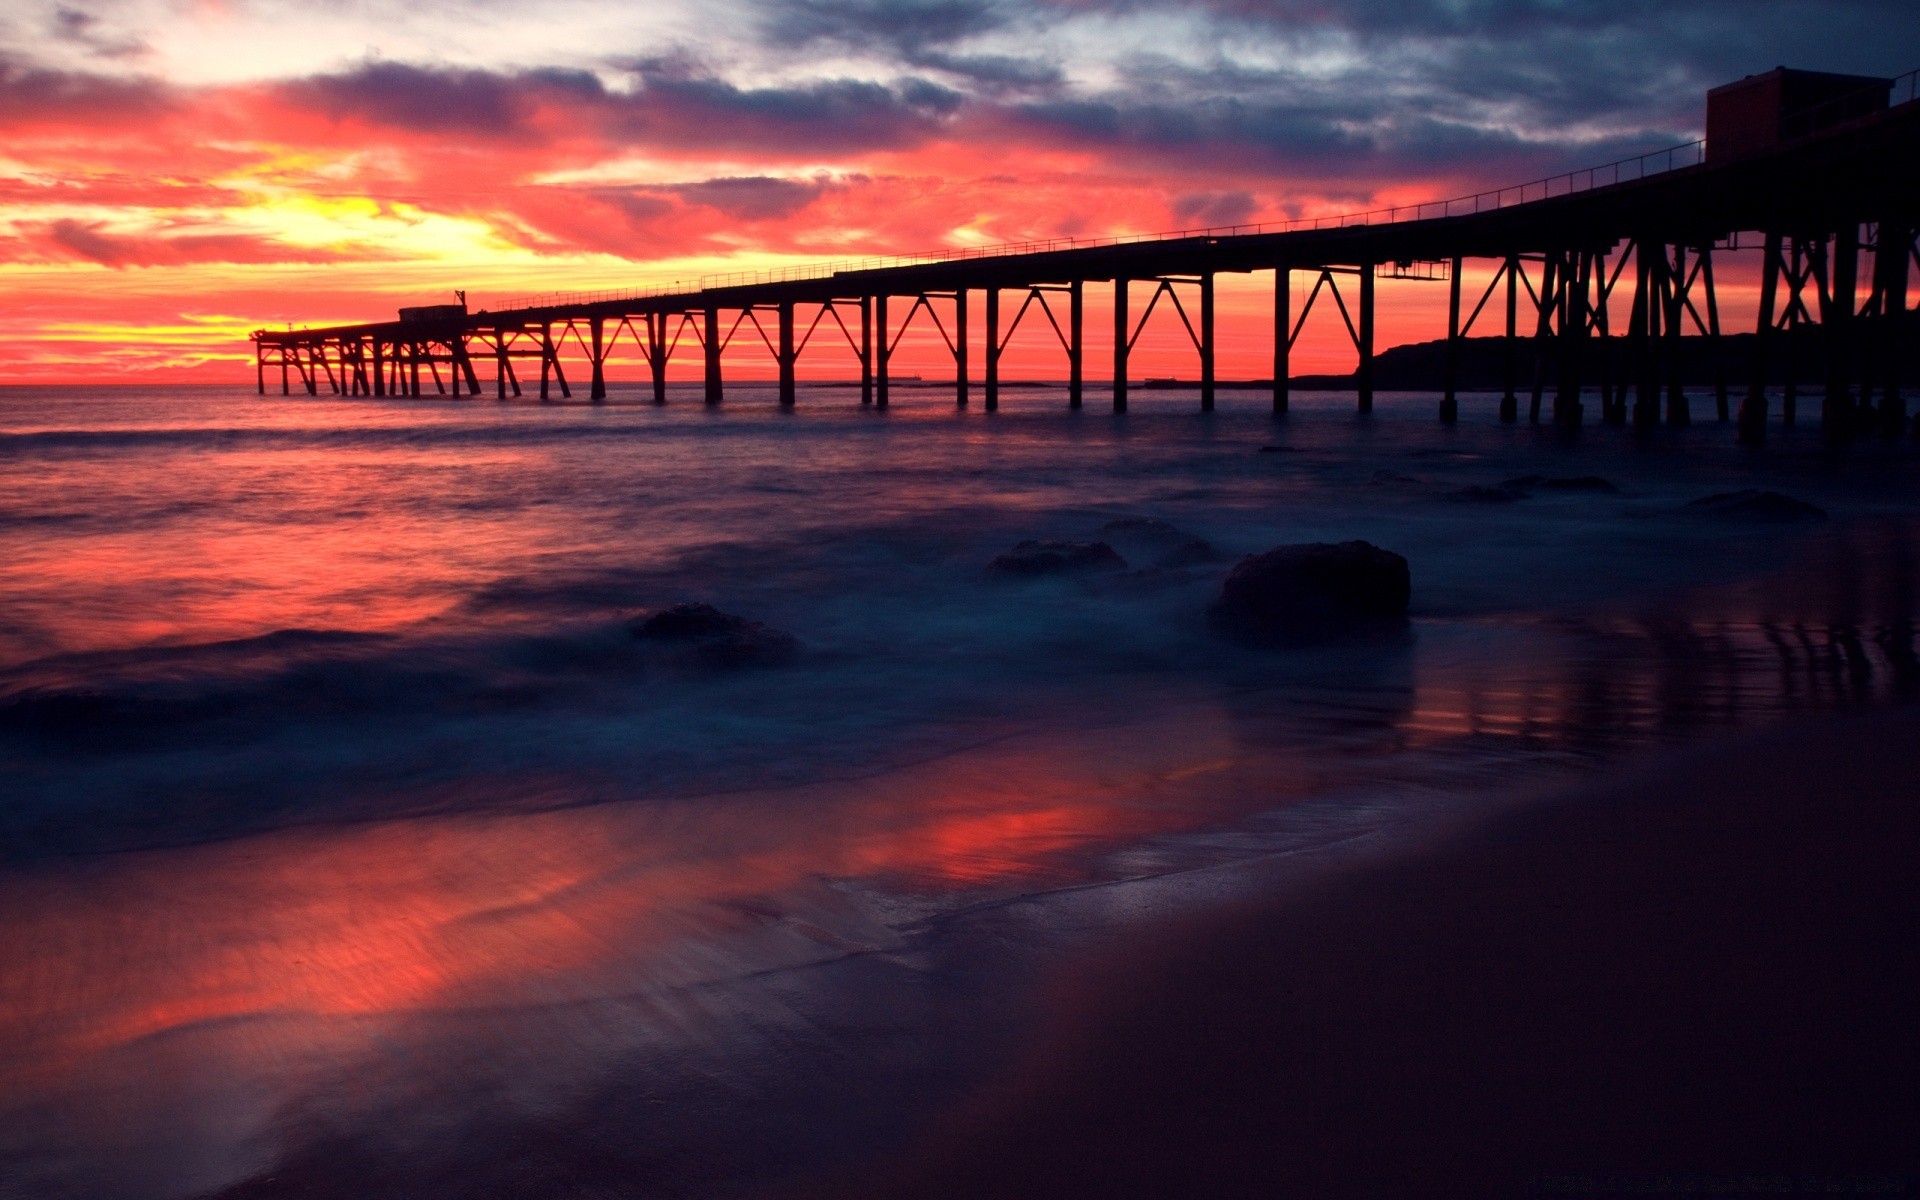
(351, 844)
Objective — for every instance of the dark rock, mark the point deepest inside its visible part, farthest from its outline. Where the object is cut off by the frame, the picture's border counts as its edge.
(1577, 483)
(1294, 594)
(1031, 559)
(1160, 544)
(1751, 504)
(714, 638)
(1278, 450)
(1475, 494)
(1392, 477)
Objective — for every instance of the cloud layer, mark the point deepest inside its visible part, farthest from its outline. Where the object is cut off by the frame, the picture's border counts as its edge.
(584, 136)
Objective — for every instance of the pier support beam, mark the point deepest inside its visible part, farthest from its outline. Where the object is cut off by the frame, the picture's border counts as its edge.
(712, 344)
(883, 350)
(1206, 341)
(657, 352)
(1076, 341)
(1673, 291)
(960, 353)
(1568, 411)
(1891, 250)
(597, 390)
(1753, 409)
(1509, 399)
(1713, 334)
(992, 364)
(1121, 333)
(547, 363)
(1282, 336)
(1836, 318)
(786, 354)
(866, 350)
(1363, 377)
(1450, 397)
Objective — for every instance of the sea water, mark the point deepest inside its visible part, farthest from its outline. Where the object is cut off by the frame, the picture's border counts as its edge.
(351, 842)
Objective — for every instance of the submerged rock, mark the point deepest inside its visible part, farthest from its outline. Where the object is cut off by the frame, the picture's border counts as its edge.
(1300, 593)
(1475, 494)
(1751, 504)
(1577, 483)
(1031, 559)
(1160, 544)
(715, 638)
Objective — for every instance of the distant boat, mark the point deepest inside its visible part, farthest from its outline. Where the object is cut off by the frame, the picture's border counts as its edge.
(1168, 382)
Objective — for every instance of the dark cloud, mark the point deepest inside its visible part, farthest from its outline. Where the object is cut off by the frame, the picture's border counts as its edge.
(83, 28)
(90, 241)
(32, 95)
(907, 26)
(752, 197)
(1214, 208)
(443, 100)
(673, 104)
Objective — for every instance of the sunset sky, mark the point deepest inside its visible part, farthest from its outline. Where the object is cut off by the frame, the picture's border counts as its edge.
(177, 172)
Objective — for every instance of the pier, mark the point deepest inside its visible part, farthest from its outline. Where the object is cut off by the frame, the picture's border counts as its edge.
(1817, 174)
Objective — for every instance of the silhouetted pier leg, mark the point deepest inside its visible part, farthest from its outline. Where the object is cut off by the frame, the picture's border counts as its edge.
(1120, 346)
(1679, 414)
(712, 345)
(1753, 409)
(415, 352)
(547, 364)
(866, 350)
(993, 349)
(597, 388)
(1509, 400)
(463, 363)
(657, 355)
(1641, 332)
(1568, 412)
(379, 367)
(1206, 341)
(883, 350)
(1450, 398)
(1836, 410)
(1551, 283)
(1790, 346)
(1890, 254)
(961, 355)
(1610, 413)
(1076, 341)
(1282, 337)
(1363, 374)
(787, 354)
(1713, 334)
(499, 363)
(260, 366)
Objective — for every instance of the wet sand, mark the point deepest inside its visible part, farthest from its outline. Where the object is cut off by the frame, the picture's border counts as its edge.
(1700, 978)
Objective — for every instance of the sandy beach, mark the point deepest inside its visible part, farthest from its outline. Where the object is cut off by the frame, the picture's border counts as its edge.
(1697, 979)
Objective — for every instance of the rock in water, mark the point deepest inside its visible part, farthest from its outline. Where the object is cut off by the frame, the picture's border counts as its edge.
(1161, 544)
(1751, 504)
(1031, 559)
(714, 638)
(1294, 594)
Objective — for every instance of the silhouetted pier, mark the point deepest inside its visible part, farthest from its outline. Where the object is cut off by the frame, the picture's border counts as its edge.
(1819, 174)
